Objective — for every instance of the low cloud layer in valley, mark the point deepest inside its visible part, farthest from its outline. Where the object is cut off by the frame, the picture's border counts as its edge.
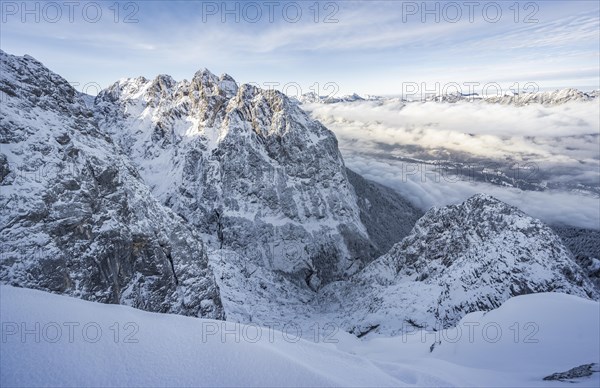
(555, 148)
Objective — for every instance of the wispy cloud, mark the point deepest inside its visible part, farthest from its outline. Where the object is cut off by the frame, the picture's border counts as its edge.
(371, 48)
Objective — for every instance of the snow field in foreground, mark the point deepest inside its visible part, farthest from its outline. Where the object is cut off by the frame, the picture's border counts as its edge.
(55, 340)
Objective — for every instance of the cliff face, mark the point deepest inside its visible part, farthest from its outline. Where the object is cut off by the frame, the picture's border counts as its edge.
(77, 218)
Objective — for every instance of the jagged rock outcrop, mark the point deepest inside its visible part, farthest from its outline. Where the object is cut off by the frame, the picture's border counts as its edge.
(77, 218)
(578, 372)
(458, 259)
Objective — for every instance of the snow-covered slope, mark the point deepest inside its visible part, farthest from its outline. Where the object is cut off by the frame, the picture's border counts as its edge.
(71, 342)
(76, 216)
(524, 322)
(458, 259)
(119, 346)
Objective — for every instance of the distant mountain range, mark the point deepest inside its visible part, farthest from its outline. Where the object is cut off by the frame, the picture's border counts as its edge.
(559, 96)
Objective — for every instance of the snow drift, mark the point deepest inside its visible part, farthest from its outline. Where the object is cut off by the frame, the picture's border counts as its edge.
(51, 340)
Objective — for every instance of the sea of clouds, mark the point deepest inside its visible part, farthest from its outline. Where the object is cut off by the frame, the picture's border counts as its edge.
(560, 141)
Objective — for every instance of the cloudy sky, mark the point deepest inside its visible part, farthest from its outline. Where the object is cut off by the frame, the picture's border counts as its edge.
(344, 47)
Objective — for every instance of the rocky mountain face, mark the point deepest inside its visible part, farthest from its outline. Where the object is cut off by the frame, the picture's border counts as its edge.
(257, 294)
(210, 199)
(247, 167)
(585, 246)
(387, 216)
(458, 259)
(77, 218)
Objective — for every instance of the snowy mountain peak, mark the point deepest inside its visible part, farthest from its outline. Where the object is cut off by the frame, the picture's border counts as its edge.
(163, 82)
(204, 80)
(244, 164)
(228, 85)
(458, 259)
